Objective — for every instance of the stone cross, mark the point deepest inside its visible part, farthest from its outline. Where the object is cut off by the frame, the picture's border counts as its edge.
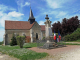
(48, 30)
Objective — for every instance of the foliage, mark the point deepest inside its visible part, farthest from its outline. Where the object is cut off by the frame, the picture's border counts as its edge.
(1, 43)
(20, 40)
(43, 38)
(22, 54)
(67, 26)
(56, 34)
(13, 41)
(56, 27)
(74, 36)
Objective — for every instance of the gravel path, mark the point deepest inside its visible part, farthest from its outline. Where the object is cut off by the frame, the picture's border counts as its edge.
(6, 57)
(71, 52)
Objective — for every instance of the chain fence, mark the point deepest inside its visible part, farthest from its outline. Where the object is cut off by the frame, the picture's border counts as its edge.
(51, 43)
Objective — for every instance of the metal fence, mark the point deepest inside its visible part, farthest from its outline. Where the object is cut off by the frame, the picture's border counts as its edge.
(43, 43)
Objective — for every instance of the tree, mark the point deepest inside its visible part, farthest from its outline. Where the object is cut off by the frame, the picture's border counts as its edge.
(69, 25)
(20, 40)
(64, 26)
(56, 27)
(13, 40)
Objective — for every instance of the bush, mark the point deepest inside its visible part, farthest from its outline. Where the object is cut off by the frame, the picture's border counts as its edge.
(13, 41)
(20, 40)
(74, 36)
(43, 38)
(1, 43)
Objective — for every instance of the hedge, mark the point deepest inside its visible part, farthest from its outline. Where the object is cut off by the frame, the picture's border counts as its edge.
(74, 36)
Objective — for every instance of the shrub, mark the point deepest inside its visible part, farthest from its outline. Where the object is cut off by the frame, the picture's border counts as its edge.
(43, 38)
(74, 36)
(13, 41)
(1, 43)
(20, 40)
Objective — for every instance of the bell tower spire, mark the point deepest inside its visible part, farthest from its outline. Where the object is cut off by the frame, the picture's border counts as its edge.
(31, 17)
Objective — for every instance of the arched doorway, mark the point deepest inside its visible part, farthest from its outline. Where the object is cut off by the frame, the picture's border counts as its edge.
(36, 36)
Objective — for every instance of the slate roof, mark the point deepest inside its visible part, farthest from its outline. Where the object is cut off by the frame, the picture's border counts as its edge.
(20, 25)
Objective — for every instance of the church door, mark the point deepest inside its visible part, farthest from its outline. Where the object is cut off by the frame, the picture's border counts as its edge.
(36, 35)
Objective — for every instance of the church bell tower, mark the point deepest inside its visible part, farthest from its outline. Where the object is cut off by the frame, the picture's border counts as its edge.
(31, 17)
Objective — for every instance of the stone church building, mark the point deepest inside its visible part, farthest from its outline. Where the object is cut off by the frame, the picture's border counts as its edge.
(31, 29)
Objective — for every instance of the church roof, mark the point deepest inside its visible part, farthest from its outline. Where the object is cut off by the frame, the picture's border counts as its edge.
(31, 14)
(42, 27)
(20, 25)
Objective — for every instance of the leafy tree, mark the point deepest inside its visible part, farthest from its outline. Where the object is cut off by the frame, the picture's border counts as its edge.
(13, 41)
(20, 40)
(67, 26)
(56, 27)
(1, 42)
(64, 26)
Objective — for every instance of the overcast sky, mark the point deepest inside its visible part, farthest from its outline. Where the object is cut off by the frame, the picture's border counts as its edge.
(19, 10)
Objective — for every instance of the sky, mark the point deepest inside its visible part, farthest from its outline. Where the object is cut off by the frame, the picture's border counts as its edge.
(18, 10)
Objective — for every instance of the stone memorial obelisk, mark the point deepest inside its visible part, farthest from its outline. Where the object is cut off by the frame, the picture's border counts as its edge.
(48, 30)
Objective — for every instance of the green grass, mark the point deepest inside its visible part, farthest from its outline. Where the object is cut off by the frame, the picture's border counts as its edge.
(71, 44)
(74, 41)
(24, 53)
(27, 45)
(68, 43)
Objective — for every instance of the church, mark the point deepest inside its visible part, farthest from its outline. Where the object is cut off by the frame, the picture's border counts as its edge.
(31, 29)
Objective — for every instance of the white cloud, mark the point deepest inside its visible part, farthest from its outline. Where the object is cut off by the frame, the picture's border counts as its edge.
(50, 18)
(22, 4)
(27, 3)
(41, 22)
(56, 3)
(14, 14)
(5, 8)
(49, 12)
(53, 4)
(61, 14)
(10, 16)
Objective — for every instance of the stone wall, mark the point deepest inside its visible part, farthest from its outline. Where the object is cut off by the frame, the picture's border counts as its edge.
(36, 29)
(20, 32)
(43, 33)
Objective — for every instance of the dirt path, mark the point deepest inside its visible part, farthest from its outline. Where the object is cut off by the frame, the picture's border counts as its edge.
(6, 57)
(71, 52)
(56, 50)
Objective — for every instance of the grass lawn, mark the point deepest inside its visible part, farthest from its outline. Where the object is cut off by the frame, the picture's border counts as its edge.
(24, 53)
(74, 41)
(64, 43)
